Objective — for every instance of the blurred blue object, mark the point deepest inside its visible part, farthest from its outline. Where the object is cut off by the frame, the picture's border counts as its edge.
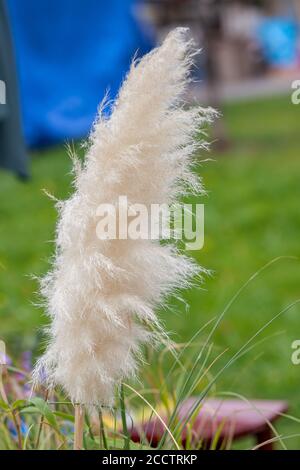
(278, 39)
(69, 53)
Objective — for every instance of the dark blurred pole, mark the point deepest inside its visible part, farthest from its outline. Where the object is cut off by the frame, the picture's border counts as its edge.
(12, 148)
(211, 24)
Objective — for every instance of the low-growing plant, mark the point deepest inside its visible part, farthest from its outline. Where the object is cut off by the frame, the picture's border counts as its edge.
(45, 419)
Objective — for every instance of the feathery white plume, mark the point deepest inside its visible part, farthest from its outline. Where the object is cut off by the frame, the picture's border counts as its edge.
(101, 294)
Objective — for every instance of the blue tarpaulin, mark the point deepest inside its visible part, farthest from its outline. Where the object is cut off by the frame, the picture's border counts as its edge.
(69, 53)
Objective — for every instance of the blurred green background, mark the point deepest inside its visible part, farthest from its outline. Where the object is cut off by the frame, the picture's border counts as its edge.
(251, 217)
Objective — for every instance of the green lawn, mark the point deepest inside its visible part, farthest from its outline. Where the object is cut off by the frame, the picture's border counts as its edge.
(252, 216)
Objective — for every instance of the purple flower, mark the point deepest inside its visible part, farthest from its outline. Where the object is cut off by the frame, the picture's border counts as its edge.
(26, 361)
(5, 359)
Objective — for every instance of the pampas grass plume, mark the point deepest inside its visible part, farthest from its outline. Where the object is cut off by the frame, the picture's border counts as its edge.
(101, 295)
